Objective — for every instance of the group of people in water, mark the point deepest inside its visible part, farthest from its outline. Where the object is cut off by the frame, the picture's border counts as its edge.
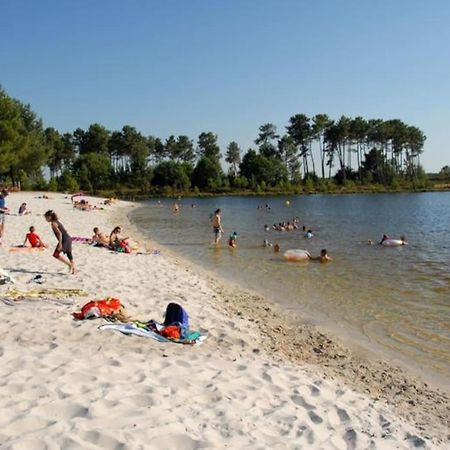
(216, 222)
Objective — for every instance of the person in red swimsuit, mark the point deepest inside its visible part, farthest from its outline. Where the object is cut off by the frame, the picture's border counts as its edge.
(34, 239)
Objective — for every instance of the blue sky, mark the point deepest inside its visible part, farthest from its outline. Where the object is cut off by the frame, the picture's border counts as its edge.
(187, 66)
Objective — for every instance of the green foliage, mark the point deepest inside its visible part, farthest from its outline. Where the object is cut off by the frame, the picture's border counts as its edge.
(22, 141)
(386, 153)
(233, 157)
(207, 146)
(259, 168)
(52, 185)
(173, 174)
(207, 174)
(67, 182)
(93, 171)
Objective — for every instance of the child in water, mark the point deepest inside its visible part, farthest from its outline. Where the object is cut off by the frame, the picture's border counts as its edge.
(232, 240)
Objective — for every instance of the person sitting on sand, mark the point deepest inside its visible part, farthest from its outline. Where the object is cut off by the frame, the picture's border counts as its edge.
(34, 240)
(64, 241)
(23, 210)
(323, 257)
(117, 242)
(100, 238)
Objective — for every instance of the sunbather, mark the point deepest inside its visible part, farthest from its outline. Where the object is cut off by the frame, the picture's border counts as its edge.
(100, 238)
(117, 242)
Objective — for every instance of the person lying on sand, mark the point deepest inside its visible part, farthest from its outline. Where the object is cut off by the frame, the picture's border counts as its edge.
(100, 238)
(323, 257)
(117, 242)
(34, 240)
(83, 205)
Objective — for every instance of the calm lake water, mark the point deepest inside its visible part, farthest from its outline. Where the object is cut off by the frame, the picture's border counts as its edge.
(392, 299)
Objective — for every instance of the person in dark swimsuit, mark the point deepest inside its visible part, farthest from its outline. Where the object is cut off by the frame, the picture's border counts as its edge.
(64, 241)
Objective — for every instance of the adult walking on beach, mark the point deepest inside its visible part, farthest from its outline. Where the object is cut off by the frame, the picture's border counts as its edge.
(64, 241)
(217, 226)
(3, 211)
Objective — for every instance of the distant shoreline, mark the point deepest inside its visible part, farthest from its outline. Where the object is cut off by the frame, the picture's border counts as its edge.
(135, 196)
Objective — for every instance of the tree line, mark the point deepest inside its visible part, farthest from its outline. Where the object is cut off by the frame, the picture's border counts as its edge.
(312, 152)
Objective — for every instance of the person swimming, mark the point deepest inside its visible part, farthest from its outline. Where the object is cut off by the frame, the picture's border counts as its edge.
(309, 234)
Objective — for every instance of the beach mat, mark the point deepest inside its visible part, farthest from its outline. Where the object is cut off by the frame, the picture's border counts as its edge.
(27, 249)
(43, 293)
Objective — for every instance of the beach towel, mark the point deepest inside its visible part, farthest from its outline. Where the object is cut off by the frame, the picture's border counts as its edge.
(21, 249)
(81, 240)
(43, 293)
(139, 329)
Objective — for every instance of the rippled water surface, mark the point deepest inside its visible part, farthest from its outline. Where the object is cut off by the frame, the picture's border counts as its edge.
(393, 298)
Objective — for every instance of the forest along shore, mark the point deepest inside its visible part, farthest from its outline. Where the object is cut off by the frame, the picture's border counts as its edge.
(255, 381)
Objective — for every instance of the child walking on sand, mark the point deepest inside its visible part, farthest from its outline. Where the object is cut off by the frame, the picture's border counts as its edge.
(64, 241)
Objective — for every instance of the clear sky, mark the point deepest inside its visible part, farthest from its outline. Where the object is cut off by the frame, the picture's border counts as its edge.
(228, 66)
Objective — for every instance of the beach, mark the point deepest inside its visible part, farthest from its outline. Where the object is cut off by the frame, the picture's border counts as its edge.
(257, 381)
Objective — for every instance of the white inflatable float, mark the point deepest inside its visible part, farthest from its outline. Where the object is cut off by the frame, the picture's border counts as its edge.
(296, 255)
(393, 242)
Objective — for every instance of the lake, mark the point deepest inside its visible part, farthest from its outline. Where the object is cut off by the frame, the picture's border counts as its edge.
(396, 300)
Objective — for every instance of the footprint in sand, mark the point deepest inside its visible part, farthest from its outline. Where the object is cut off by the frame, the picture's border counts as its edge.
(314, 417)
(300, 401)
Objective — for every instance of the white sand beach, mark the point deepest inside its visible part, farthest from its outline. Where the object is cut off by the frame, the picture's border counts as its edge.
(256, 381)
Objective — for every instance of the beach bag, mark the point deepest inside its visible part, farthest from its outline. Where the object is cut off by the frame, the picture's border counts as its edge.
(124, 247)
(171, 332)
(175, 314)
(99, 308)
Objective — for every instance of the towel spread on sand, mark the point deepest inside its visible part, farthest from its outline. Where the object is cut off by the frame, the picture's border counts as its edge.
(26, 249)
(43, 293)
(139, 329)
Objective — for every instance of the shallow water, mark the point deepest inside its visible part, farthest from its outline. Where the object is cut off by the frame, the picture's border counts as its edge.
(394, 299)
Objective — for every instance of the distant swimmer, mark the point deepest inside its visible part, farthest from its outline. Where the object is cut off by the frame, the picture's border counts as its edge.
(276, 248)
(266, 227)
(323, 258)
(176, 207)
(266, 243)
(217, 226)
(309, 234)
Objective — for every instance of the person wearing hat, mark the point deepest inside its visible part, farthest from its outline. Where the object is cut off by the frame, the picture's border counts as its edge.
(3, 211)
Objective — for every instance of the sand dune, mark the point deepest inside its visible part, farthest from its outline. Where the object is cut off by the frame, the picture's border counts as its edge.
(67, 384)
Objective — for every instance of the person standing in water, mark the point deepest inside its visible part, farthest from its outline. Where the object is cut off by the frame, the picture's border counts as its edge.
(217, 226)
(64, 241)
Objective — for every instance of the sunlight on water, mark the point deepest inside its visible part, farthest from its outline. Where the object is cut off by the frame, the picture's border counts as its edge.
(396, 298)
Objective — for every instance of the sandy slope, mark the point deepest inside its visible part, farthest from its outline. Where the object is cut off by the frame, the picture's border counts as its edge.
(66, 384)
